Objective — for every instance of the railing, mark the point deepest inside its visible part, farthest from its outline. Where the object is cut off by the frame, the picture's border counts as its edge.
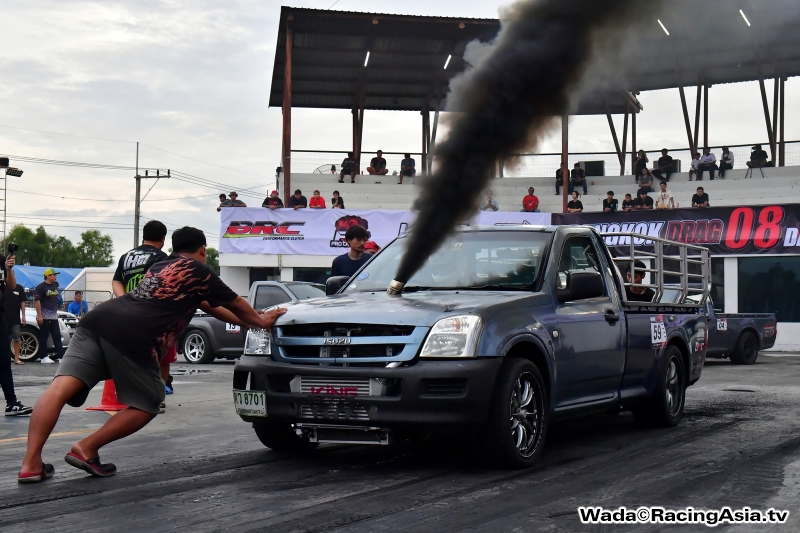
(537, 165)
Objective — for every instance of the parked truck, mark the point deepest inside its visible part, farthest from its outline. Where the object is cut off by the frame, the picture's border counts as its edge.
(502, 331)
(739, 336)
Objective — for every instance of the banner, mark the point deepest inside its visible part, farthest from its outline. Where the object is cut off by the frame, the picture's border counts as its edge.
(246, 230)
(770, 229)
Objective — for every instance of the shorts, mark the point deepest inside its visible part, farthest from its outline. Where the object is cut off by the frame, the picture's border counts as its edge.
(171, 356)
(92, 359)
(408, 172)
(14, 332)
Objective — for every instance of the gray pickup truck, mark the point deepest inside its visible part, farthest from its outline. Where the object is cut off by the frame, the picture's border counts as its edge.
(739, 336)
(501, 331)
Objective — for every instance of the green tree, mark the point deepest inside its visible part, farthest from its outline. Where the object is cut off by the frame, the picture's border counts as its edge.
(95, 249)
(43, 249)
(213, 258)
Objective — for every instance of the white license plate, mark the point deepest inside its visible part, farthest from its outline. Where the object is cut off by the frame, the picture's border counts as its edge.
(250, 403)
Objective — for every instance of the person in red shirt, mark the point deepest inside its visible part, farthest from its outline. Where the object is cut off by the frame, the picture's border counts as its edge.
(530, 204)
(317, 201)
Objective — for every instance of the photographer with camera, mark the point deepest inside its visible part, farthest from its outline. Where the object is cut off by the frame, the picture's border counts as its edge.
(7, 282)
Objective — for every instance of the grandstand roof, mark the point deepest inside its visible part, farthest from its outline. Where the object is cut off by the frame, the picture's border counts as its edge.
(709, 43)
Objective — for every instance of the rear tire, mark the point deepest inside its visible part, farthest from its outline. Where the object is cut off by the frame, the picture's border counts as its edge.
(665, 407)
(29, 344)
(519, 415)
(746, 351)
(280, 437)
(196, 348)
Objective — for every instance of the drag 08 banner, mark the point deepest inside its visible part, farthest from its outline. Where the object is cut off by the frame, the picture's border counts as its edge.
(767, 229)
(246, 230)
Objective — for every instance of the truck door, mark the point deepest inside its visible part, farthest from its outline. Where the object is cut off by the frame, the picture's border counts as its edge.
(590, 347)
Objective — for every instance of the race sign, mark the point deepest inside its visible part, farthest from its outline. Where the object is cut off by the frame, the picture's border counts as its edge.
(722, 324)
(658, 331)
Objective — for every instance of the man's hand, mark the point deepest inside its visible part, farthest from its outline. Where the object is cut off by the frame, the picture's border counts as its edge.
(39, 319)
(269, 318)
(10, 262)
(273, 207)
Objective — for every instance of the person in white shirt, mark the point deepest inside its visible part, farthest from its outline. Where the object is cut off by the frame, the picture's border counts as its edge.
(725, 162)
(664, 198)
(708, 161)
(695, 165)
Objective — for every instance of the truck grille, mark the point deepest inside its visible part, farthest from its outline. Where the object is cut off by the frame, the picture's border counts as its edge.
(358, 350)
(334, 386)
(331, 410)
(345, 330)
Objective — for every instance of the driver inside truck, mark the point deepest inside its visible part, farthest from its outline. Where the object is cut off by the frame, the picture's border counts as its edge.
(638, 294)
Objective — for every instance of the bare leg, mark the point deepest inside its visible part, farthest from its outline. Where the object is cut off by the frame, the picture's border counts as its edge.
(353, 177)
(17, 345)
(121, 425)
(44, 418)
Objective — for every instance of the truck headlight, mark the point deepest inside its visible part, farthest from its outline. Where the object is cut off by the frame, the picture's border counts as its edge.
(455, 336)
(258, 342)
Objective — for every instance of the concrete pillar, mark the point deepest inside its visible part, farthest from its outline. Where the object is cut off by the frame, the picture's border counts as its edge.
(731, 280)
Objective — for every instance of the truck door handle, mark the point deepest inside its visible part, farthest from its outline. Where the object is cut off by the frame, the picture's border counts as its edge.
(611, 317)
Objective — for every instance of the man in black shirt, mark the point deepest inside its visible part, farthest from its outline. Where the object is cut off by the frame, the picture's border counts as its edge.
(700, 199)
(13, 405)
(349, 166)
(665, 165)
(378, 165)
(643, 201)
(628, 204)
(124, 339)
(758, 157)
(578, 178)
(638, 294)
(297, 200)
(610, 203)
(349, 263)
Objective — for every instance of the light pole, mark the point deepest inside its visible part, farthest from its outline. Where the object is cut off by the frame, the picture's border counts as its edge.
(7, 171)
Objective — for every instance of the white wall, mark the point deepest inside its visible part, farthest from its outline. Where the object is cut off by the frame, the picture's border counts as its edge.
(237, 278)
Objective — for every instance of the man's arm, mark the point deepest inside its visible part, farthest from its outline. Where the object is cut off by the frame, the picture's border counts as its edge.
(117, 288)
(22, 308)
(11, 278)
(223, 314)
(246, 315)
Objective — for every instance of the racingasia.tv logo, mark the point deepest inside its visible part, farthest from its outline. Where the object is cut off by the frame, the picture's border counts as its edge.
(268, 230)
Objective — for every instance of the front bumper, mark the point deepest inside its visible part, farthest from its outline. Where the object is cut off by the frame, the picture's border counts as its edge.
(428, 395)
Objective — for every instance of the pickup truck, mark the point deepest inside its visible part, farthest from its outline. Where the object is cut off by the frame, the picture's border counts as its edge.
(207, 338)
(739, 336)
(503, 330)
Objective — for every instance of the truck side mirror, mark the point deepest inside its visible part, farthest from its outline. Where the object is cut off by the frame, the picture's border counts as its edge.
(581, 286)
(334, 284)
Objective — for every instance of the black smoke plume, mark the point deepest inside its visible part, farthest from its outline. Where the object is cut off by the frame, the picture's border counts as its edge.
(506, 102)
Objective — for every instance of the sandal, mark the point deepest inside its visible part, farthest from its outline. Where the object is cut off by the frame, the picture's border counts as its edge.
(46, 472)
(18, 363)
(90, 466)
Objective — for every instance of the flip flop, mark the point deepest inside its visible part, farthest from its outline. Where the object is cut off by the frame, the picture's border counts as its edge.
(18, 363)
(46, 472)
(90, 466)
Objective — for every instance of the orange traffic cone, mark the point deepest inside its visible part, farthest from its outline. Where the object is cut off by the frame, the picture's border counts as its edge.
(109, 402)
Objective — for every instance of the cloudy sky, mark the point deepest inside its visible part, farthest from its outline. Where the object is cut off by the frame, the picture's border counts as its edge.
(189, 80)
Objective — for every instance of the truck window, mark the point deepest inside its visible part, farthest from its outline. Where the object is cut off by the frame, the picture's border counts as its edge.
(269, 295)
(578, 254)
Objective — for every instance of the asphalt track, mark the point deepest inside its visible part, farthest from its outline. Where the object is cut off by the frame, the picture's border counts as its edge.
(199, 468)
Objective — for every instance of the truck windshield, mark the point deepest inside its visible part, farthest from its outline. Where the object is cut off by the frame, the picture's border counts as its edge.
(472, 260)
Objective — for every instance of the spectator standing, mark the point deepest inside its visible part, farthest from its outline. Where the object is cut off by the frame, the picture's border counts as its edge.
(273, 201)
(77, 306)
(628, 204)
(235, 202)
(664, 198)
(349, 168)
(577, 178)
(317, 201)
(14, 310)
(378, 165)
(665, 166)
(640, 163)
(645, 180)
(708, 162)
(490, 204)
(610, 203)
(407, 168)
(337, 202)
(13, 405)
(530, 204)
(575, 206)
(223, 202)
(758, 158)
(560, 179)
(46, 300)
(349, 263)
(695, 166)
(297, 200)
(725, 161)
(643, 201)
(700, 199)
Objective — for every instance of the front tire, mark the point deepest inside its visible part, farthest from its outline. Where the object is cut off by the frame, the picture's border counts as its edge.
(29, 344)
(665, 407)
(280, 437)
(746, 351)
(196, 348)
(519, 415)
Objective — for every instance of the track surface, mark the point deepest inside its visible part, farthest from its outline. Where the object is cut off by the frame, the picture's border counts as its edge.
(199, 468)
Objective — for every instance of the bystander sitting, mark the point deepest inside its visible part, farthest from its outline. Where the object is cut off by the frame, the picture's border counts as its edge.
(78, 306)
(530, 204)
(708, 162)
(700, 199)
(758, 158)
(664, 198)
(577, 178)
(627, 203)
(610, 203)
(378, 165)
(273, 201)
(560, 179)
(223, 202)
(664, 166)
(695, 166)
(643, 201)
(349, 168)
(725, 161)
(640, 163)
(645, 180)
(575, 205)
(407, 168)
(297, 200)
(337, 202)
(490, 204)
(317, 201)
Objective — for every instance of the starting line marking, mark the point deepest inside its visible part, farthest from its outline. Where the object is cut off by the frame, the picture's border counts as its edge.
(62, 434)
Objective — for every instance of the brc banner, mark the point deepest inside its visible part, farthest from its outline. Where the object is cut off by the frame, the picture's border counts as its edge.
(770, 229)
(246, 230)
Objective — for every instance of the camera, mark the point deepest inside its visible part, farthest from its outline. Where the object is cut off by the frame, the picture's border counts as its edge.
(12, 248)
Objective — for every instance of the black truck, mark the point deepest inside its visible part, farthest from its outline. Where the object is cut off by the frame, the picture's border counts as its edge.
(739, 336)
(503, 330)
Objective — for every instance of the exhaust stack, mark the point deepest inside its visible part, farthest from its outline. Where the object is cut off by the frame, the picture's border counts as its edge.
(395, 288)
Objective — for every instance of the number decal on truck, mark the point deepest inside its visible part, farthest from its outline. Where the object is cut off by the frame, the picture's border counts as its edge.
(658, 333)
(232, 328)
(722, 324)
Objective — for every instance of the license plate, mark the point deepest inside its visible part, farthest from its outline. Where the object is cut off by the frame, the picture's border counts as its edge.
(250, 403)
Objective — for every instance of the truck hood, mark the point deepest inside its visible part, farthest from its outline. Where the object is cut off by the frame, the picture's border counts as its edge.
(422, 308)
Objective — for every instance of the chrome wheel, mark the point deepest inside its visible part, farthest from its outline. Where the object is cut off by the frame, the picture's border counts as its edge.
(674, 388)
(28, 346)
(525, 414)
(194, 347)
